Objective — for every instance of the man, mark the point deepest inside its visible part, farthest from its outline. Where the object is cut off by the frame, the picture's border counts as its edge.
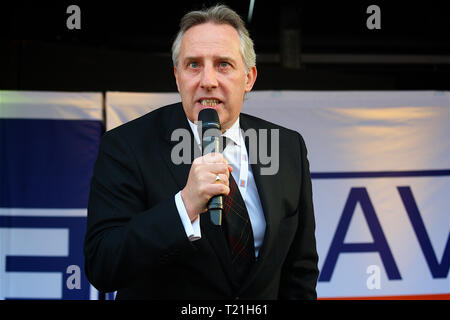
(148, 235)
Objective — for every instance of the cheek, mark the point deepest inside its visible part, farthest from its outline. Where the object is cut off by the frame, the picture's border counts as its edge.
(182, 87)
(234, 86)
(186, 84)
(241, 84)
(238, 92)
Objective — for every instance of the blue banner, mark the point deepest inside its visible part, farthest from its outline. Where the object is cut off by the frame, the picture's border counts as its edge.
(49, 144)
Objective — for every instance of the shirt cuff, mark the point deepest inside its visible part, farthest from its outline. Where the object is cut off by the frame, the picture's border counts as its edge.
(192, 229)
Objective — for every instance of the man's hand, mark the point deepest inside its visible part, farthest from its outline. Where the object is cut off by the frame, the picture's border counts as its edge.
(202, 185)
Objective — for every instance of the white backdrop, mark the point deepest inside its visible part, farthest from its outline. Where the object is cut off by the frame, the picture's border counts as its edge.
(380, 164)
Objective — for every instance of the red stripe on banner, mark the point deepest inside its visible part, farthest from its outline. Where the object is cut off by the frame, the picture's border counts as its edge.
(443, 296)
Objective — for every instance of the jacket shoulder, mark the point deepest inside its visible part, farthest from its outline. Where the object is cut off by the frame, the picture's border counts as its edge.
(258, 123)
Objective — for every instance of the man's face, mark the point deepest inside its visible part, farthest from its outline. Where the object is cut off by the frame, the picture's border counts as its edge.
(211, 72)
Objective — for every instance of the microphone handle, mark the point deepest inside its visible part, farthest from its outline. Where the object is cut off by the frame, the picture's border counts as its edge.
(215, 204)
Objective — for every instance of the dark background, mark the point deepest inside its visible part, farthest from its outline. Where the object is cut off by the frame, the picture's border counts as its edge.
(125, 45)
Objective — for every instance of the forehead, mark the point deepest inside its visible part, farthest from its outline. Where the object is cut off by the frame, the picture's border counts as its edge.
(210, 38)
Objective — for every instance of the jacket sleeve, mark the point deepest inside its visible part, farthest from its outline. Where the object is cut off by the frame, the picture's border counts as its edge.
(300, 271)
(126, 239)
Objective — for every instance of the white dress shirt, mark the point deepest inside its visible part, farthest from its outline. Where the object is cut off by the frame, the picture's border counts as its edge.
(251, 198)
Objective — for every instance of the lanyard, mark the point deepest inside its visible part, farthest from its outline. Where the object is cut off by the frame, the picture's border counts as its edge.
(243, 169)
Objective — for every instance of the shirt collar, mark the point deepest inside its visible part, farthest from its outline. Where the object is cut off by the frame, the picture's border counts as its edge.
(233, 133)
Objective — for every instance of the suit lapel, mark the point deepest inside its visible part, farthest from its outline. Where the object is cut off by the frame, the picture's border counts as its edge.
(176, 120)
(267, 191)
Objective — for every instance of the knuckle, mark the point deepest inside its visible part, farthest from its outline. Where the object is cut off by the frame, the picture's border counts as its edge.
(197, 171)
(202, 189)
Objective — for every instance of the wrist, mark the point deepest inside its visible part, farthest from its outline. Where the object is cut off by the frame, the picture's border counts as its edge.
(191, 213)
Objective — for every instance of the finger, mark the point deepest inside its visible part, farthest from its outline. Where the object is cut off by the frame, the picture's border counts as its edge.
(214, 157)
(216, 168)
(225, 160)
(222, 178)
(217, 189)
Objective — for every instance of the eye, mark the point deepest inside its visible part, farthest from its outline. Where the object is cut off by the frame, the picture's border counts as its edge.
(193, 65)
(224, 64)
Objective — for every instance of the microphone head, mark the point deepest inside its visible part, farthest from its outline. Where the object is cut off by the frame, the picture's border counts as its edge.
(209, 119)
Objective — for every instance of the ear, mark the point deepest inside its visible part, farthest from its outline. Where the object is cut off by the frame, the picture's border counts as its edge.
(251, 78)
(176, 77)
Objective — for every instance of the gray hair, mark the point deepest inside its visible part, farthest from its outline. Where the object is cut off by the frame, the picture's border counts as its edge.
(219, 14)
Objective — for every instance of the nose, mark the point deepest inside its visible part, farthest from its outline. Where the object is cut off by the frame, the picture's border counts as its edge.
(208, 79)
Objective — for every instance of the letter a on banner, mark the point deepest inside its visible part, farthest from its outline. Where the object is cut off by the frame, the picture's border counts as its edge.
(379, 245)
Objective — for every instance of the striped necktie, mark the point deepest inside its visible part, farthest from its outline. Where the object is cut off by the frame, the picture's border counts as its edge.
(239, 233)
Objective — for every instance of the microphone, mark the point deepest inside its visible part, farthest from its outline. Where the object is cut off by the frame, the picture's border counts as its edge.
(210, 143)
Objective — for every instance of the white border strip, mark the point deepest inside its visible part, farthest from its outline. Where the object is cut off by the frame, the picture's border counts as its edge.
(51, 105)
(26, 212)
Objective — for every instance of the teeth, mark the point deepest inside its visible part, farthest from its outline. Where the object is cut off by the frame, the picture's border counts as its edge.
(209, 102)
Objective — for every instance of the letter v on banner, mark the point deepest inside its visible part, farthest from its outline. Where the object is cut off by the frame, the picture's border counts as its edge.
(438, 270)
(379, 244)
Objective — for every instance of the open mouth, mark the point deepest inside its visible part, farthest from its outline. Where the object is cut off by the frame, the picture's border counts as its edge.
(209, 102)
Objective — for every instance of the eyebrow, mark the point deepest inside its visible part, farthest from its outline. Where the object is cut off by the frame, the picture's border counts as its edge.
(225, 58)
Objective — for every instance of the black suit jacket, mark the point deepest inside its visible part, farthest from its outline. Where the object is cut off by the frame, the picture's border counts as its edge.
(135, 241)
